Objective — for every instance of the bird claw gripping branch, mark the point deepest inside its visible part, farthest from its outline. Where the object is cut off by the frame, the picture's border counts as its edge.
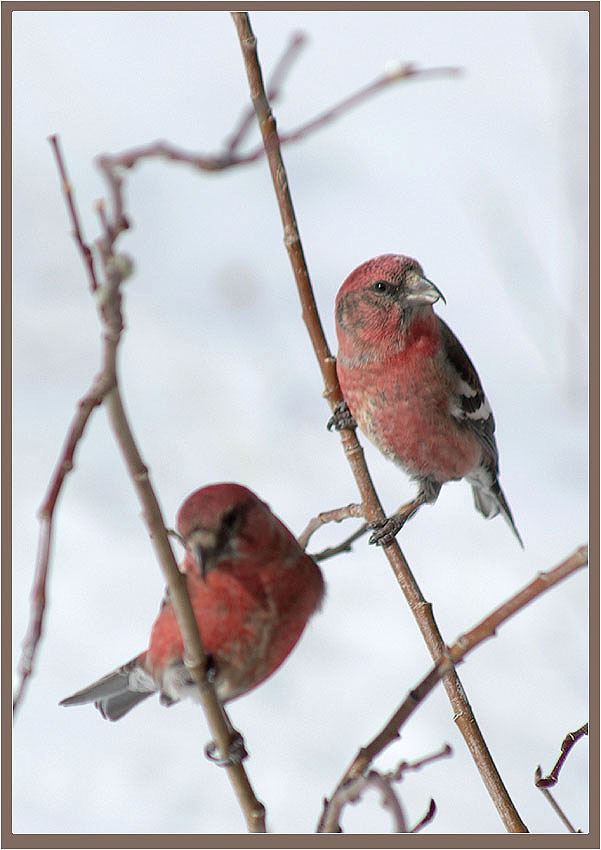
(236, 752)
(341, 418)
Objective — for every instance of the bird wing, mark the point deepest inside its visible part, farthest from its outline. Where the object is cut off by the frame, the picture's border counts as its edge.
(470, 404)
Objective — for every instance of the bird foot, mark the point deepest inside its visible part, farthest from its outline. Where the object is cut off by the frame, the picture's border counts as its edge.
(341, 418)
(236, 752)
(385, 532)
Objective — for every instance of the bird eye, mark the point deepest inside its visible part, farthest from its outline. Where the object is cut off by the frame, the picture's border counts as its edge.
(230, 518)
(380, 286)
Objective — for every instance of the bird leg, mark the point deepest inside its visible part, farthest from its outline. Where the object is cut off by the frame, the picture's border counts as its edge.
(385, 532)
(341, 418)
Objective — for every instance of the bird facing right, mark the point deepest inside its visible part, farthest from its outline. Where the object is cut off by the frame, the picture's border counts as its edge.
(412, 389)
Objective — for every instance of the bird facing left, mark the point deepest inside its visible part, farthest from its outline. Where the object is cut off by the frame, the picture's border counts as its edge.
(252, 589)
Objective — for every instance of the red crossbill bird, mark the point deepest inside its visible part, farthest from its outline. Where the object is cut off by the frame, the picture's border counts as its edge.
(252, 589)
(410, 386)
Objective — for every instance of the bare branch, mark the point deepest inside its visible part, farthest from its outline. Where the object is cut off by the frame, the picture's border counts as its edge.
(545, 782)
(400, 71)
(94, 397)
(373, 511)
(278, 75)
(336, 515)
(77, 230)
(346, 544)
(229, 156)
(454, 654)
(352, 791)
(426, 818)
(405, 766)
(566, 745)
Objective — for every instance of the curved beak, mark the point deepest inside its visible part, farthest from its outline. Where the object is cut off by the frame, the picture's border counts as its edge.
(420, 290)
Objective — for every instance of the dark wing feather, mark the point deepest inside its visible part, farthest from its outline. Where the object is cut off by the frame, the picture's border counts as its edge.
(470, 404)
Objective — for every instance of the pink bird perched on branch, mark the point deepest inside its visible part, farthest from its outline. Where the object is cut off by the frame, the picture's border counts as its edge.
(410, 386)
(252, 589)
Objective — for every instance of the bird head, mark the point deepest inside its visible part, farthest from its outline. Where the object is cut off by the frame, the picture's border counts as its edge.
(381, 297)
(215, 522)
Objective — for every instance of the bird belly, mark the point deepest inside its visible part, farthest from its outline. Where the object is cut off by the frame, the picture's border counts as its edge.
(409, 421)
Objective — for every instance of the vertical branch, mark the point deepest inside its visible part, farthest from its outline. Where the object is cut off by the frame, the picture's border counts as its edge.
(372, 508)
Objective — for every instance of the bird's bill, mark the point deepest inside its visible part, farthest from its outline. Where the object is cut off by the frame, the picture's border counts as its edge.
(420, 290)
(202, 543)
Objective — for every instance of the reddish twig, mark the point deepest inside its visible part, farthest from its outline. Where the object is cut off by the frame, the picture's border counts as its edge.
(346, 544)
(400, 71)
(426, 818)
(94, 397)
(546, 782)
(373, 512)
(566, 745)
(228, 157)
(353, 790)
(453, 655)
(84, 248)
(336, 515)
(404, 766)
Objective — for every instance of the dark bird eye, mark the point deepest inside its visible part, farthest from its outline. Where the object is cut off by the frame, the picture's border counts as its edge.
(230, 519)
(380, 286)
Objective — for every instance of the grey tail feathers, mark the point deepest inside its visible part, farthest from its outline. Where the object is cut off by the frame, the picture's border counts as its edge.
(491, 502)
(118, 692)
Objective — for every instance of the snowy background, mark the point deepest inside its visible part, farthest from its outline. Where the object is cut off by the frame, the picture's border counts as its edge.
(483, 178)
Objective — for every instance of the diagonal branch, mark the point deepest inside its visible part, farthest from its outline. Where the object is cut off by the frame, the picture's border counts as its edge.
(453, 655)
(421, 609)
(566, 745)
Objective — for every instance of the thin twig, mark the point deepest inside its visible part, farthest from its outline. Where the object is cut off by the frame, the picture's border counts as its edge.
(455, 654)
(229, 157)
(92, 399)
(346, 544)
(566, 745)
(426, 818)
(405, 766)
(335, 515)
(553, 803)
(373, 511)
(545, 782)
(352, 791)
(84, 248)
(278, 75)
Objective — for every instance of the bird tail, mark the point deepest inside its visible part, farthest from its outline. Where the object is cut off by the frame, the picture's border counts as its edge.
(117, 692)
(492, 501)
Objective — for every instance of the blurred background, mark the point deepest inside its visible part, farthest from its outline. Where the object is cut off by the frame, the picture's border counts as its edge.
(483, 178)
